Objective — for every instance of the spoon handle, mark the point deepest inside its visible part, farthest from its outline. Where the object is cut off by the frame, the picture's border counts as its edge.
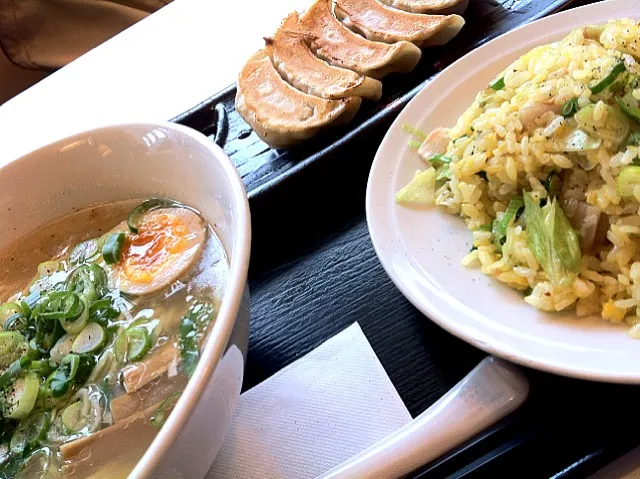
(493, 389)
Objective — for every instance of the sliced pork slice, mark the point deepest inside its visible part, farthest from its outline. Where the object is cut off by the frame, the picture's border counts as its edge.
(157, 362)
(380, 23)
(441, 7)
(330, 40)
(126, 405)
(590, 223)
(435, 144)
(280, 114)
(301, 68)
(530, 112)
(115, 449)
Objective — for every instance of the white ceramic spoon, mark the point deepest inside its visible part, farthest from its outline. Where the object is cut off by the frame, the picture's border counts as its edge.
(492, 390)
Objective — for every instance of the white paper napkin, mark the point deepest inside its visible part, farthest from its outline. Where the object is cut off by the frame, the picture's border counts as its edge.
(314, 414)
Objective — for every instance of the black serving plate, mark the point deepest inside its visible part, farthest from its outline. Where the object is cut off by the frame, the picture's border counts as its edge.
(314, 272)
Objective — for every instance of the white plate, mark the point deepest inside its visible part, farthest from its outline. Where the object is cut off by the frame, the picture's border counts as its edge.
(421, 250)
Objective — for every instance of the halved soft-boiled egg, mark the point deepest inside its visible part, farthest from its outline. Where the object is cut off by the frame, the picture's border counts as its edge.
(166, 244)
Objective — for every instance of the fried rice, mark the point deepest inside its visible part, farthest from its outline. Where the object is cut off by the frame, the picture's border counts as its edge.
(542, 168)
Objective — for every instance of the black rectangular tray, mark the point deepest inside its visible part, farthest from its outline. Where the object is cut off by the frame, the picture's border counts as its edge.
(314, 272)
(263, 168)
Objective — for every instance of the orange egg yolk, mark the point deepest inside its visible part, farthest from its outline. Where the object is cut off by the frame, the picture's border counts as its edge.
(146, 252)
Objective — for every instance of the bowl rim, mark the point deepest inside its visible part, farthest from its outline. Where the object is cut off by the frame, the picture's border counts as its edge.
(220, 334)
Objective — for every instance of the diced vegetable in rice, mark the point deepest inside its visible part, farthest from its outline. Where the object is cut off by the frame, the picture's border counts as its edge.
(544, 168)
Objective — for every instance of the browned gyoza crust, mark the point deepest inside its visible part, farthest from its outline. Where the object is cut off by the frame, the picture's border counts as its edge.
(301, 68)
(280, 114)
(380, 23)
(441, 7)
(336, 44)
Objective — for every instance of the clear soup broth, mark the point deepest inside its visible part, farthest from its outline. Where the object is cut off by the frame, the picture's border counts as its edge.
(102, 317)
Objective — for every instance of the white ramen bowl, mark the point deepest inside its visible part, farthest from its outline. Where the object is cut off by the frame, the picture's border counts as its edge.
(142, 160)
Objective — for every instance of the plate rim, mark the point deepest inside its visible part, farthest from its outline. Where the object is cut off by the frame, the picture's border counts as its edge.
(522, 39)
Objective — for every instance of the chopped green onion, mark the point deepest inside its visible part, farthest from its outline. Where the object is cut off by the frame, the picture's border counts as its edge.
(162, 413)
(420, 135)
(112, 249)
(609, 79)
(634, 139)
(139, 343)
(59, 305)
(121, 347)
(84, 252)
(30, 432)
(21, 396)
(12, 346)
(613, 127)
(499, 227)
(33, 352)
(40, 367)
(47, 268)
(196, 317)
(138, 212)
(47, 333)
(59, 382)
(439, 160)
(102, 311)
(633, 112)
(570, 108)
(75, 324)
(444, 173)
(4, 453)
(14, 370)
(88, 280)
(553, 185)
(498, 84)
(86, 364)
(9, 309)
(13, 466)
(627, 180)
(79, 282)
(414, 145)
(73, 418)
(486, 227)
(90, 340)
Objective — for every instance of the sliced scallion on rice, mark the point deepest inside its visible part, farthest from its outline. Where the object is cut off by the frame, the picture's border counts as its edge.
(553, 184)
(627, 181)
(603, 84)
(499, 226)
(444, 173)
(414, 145)
(633, 112)
(570, 108)
(439, 160)
(498, 84)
